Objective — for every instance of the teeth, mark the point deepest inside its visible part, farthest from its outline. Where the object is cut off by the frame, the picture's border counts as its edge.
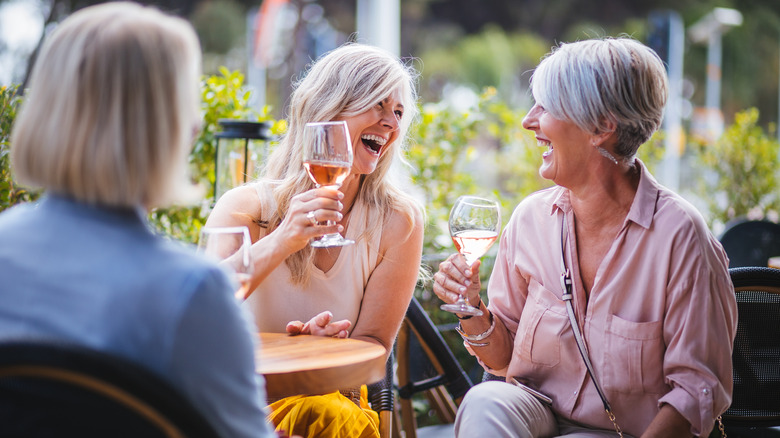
(375, 138)
(544, 144)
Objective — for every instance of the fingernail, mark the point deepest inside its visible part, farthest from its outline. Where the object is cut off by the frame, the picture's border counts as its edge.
(453, 296)
(341, 216)
(462, 289)
(468, 272)
(468, 282)
(341, 195)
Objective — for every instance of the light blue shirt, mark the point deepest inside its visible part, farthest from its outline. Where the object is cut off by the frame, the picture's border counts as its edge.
(99, 277)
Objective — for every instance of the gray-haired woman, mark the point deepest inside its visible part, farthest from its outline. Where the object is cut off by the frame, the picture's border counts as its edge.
(651, 291)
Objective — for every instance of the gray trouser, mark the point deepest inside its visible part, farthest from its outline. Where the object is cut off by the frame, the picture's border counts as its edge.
(501, 410)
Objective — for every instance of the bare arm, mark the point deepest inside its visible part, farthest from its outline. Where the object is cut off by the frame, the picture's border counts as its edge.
(390, 288)
(241, 207)
(455, 278)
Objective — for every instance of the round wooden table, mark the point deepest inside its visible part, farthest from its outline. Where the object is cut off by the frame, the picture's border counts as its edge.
(311, 365)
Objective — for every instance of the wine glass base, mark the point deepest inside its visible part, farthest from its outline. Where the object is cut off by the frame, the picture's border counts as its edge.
(461, 308)
(330, 240)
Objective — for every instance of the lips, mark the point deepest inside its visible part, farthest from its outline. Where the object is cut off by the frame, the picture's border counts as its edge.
(373, 142)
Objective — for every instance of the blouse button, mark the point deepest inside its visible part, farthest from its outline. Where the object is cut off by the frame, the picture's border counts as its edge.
(705, 391)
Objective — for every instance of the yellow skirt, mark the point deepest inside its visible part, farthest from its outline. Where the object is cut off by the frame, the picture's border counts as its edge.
(329, 415)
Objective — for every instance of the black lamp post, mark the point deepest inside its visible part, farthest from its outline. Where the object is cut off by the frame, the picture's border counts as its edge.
(239, 146)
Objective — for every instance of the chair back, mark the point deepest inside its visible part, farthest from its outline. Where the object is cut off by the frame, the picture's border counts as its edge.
(53, 389)
(756, 356)
(382, 399)
(750, 243)
(426, 365)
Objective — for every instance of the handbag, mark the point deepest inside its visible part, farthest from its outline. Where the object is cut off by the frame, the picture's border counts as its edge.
(567, 297)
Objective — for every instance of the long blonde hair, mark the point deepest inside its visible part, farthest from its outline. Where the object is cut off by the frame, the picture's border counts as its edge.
(343, 83)
(112, 107)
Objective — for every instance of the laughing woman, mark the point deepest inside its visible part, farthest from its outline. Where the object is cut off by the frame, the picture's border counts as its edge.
(359, 291)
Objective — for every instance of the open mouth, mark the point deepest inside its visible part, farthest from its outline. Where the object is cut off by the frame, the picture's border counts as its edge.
(545, 144)
(373, 142)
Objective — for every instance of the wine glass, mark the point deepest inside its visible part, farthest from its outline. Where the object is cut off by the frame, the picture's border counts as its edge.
(230, 247)
(474, 225)
(327, 157)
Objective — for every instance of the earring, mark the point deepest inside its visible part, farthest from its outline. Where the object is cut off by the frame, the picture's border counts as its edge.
(605, 153)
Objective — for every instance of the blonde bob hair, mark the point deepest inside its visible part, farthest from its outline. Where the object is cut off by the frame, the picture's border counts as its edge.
(602, 82)
(112, 108)
(343, 83)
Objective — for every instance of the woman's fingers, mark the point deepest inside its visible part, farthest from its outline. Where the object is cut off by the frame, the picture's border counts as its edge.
(320, 325)
(456, 278)
(314, 208)
(294, 327)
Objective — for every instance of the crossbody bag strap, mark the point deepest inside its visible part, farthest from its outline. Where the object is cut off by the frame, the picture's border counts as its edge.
(568, 298)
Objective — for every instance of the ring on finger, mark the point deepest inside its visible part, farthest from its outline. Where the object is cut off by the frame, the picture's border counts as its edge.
(312, 219)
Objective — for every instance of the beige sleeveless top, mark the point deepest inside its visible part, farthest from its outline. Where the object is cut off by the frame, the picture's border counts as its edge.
(276, 301)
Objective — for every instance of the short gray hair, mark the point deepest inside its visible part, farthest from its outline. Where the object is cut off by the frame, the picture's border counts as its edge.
(596, 82)
(113, 104)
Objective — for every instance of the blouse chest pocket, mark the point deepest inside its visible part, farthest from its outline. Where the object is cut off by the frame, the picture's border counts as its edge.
(633, 356)
(541, 324)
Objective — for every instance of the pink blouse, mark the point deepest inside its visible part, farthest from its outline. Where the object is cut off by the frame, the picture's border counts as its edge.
(659, 322)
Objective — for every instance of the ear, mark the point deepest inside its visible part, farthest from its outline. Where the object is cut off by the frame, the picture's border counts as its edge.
(602, 135)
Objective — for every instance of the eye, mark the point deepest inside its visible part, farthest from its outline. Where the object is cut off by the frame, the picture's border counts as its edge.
(399, 114)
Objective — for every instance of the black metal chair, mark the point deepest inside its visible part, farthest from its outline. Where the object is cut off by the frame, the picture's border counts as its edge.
(53, 389)
(750, 243)
(426, 364)
(755, 407)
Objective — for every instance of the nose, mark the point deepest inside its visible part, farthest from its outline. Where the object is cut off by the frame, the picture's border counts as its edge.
(390, 119)
(531, 120)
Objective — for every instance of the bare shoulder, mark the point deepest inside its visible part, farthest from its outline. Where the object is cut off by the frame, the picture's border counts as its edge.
(238, 206)
(399, 229)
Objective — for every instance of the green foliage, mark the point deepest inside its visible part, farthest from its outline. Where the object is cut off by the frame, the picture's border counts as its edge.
(492, 58)
(223, 96)
(483, 150)
(744, 162)
(10, 193)
(652, 152)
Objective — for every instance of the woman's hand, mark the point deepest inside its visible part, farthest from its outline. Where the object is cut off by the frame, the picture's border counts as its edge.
(307, 215)
(320, 325)
(455, 277)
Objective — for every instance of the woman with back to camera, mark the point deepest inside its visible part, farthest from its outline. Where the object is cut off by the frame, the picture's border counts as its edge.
(360, 290)
(105, 129)
(651, 290)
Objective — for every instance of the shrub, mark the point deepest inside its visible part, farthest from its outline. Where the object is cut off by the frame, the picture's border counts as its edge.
(740, 171)
(10, 193)
(223, 96)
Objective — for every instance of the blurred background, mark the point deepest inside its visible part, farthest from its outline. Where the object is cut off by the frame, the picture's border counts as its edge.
(718, 147)
(457, 43)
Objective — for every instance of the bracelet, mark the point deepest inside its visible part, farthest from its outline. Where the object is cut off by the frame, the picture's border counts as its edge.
(474, 340)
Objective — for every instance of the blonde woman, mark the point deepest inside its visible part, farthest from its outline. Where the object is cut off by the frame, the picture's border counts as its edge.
(106, 129)
(361, 290)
